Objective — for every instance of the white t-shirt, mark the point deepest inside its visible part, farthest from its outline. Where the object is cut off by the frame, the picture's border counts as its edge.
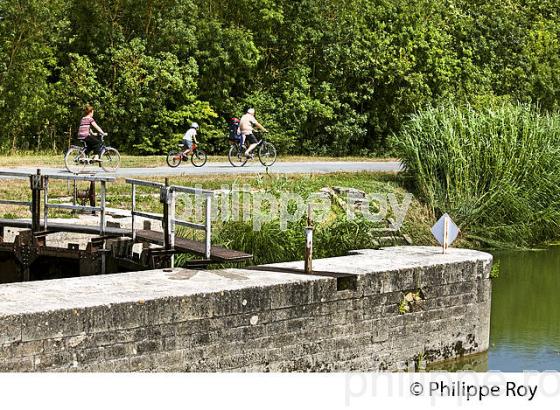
(189, 135)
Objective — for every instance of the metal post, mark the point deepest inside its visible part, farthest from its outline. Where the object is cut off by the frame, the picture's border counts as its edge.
(164, 199)
(133, 210)
(35, 181)
(171, 222)
(46, 202)
(91, 193)
(208, 228)
(75, 198)
(309, 241)
(102, 226)
(445, 233)
(102, 222)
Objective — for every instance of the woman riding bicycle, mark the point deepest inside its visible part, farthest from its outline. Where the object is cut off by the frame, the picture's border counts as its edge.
(86, 134)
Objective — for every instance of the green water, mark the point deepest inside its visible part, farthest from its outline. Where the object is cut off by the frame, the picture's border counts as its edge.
(525, 320)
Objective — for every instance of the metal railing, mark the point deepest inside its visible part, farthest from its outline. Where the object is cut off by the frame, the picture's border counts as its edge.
(168, 219)
(75, 207)
(14, 174)
(39, 182)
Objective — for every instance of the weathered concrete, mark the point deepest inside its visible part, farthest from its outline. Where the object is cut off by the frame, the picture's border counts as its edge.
(254, 320)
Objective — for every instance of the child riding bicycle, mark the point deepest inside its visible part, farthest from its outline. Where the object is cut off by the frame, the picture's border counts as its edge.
(189, 138)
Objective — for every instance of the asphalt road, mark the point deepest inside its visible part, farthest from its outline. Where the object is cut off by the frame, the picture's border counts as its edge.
(214, 168)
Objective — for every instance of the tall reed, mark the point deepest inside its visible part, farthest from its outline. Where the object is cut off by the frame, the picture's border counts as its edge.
(496, 170)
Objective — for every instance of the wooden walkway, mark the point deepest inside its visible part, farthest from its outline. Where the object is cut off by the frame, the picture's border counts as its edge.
(182, 245)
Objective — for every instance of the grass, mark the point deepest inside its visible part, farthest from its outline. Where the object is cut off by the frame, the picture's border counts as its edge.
(34, 159)
(31, 159)
(495, 171)
(334, 236)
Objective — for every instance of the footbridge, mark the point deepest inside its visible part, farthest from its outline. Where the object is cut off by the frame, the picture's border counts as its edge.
(111, 248)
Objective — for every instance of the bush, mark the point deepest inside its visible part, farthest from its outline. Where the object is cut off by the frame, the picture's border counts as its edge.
(271, 244)
(494, 170)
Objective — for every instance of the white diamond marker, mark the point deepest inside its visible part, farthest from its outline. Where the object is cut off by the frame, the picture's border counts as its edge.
(445, 231)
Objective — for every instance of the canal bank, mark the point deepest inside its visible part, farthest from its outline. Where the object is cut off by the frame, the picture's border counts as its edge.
(386, 309)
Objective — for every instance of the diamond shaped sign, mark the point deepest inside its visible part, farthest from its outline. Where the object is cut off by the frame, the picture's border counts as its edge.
(445, 231)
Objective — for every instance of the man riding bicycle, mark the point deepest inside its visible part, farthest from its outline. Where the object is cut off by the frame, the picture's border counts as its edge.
(86, 134)
(246, 124)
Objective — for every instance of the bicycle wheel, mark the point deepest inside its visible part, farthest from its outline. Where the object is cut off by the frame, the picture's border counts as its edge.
(267, 154)
(174, 158)
(72, 160)
(110, 159)
(236, 156)
(198, 158)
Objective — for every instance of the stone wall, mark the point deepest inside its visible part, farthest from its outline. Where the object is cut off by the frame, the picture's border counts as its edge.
(255, 320)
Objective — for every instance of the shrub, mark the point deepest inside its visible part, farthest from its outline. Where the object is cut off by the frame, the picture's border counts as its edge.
(495, 170)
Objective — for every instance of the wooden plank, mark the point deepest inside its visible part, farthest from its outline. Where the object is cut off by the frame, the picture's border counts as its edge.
(217, 253)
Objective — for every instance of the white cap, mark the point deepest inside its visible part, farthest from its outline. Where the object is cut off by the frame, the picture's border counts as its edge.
(194, 125)
(251, 111)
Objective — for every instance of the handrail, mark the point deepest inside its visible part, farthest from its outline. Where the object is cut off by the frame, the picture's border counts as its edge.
(144, 183)
(75, 207)
(148, 215)
(89, 178)
(189, 190)
(168, 220)
(16, 174)
(192, 225)
(70, 177)
(15, 203)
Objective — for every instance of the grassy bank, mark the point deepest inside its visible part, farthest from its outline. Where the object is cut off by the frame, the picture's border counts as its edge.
(335, 234)
(495, 171)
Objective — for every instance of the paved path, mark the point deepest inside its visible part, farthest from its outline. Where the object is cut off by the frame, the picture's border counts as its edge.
(213, 168)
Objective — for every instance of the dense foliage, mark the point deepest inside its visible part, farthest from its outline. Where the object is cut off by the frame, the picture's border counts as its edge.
(326, 76)
(494, 170)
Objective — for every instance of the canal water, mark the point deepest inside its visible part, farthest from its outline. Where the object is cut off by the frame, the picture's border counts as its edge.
(525, 320)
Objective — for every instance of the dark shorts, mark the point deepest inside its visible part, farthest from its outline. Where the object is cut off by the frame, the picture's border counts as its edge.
(251, 139)
(187, 144)
(93, 144)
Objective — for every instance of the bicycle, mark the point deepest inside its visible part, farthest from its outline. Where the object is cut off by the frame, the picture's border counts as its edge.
(198, 156)
(77, 158)
(266, 153)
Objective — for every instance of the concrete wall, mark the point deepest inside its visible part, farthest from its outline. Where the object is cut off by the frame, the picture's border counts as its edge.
(253, 320)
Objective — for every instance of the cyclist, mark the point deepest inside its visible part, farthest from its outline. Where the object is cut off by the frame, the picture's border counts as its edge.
(246, 124)
(189, 138)
(86, 134)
